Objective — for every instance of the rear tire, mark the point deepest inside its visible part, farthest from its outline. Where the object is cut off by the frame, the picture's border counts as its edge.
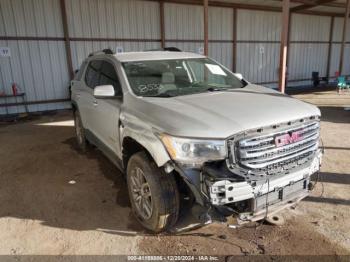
(80, 132)
(153, 194)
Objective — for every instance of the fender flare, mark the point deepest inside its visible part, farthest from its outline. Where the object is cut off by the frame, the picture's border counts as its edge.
(155, 149)
(148, 140)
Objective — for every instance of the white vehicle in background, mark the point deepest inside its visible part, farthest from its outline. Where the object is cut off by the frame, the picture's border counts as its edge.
(184, 128)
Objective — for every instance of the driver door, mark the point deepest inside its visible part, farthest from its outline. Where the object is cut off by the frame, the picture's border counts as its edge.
(106, 111)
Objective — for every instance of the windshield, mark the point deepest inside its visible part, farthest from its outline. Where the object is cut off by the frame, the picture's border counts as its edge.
(169, 78)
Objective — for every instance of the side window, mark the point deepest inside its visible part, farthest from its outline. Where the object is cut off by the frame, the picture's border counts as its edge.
(109, 77)
(92, 75)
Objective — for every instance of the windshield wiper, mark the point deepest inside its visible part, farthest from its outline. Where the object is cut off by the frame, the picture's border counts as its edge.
(163, 95)
(215, 89)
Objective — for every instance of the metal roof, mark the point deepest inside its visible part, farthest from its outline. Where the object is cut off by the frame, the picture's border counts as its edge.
(274, 3)
(321, 8)
(336, 7)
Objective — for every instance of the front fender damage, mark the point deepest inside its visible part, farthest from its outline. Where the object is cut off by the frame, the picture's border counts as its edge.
(143, 134)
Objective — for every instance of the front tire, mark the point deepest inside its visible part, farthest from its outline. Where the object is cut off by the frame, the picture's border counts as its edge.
(153, 194)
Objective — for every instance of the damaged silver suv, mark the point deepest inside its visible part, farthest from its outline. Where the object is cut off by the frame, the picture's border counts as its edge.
(193, 137)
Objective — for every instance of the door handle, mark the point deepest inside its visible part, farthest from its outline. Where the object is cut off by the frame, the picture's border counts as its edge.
(95, 103)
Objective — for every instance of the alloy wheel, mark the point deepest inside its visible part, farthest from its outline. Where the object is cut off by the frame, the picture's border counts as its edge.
(141, 193)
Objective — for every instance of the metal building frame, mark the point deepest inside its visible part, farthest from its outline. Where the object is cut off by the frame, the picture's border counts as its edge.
(302, 8)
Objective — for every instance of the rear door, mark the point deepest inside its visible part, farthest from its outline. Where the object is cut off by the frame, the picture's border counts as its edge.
(85, 90)
(106, 111)
(77, 81)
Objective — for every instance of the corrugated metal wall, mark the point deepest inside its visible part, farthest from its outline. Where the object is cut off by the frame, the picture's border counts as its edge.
(308, 50)
(221, 35)
(113, 19)
(81, 49)
(40, 67)
(258, 34)
(30, 18)
(337, 37)
(184, 23)
(123, 19)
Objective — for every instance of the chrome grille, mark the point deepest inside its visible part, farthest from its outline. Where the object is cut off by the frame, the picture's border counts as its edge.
(261, 153)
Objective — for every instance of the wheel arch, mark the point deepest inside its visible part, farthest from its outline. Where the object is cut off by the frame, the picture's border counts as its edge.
(74, 106)
(131, 145)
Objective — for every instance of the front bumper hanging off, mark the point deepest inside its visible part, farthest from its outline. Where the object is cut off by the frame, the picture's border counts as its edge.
(272, 194)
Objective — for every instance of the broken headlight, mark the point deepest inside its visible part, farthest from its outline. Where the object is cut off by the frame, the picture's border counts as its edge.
(194, 151)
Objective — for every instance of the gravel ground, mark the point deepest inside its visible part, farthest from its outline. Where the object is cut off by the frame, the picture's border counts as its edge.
(55, 200)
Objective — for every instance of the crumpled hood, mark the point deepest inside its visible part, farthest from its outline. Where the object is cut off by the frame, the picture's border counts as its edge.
(222, 114)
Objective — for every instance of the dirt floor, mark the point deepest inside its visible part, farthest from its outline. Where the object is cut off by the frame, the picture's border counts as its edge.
(55, 200)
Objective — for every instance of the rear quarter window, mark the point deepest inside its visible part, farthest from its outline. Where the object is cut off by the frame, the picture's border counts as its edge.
(80, 72)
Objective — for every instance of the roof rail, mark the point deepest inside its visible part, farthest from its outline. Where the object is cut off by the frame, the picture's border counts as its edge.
(106, 51)
(170, 49)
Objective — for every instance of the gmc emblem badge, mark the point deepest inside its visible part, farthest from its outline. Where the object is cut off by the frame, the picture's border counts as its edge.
(288, 138)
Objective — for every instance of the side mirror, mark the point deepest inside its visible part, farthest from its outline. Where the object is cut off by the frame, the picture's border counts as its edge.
(104, 91)
(239, 76)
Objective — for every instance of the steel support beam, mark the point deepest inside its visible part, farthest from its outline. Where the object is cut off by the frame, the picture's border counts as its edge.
(234, 37)
(345, 26)
(284, 45)
(66, 39)
(289, 42)
(245, 6)
(310, 5)
(330, 44)
(206, 29)
(162, 24)
(27, 103)
(310, 2)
